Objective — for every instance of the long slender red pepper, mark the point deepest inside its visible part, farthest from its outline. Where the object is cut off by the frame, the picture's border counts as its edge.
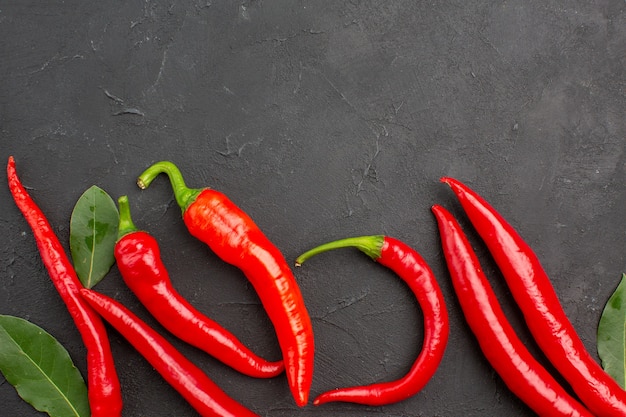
(190, 381)
(105, 398)
(413, 270)
(520, 371)
(533, 292)
(139, 260)
(232, 235)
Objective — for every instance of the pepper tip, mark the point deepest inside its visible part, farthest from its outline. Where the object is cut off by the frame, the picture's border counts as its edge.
(438, 211)
(322, 398)
(302, 401)
(454, 184)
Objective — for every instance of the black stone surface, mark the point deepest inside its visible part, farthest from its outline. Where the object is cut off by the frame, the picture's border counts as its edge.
(322, 120)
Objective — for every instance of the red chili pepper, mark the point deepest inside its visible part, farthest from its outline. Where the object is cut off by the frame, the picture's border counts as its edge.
(105, 398)
(190, 381)
(413, 270)
(533, 292)
(139, 260)
(215, 220)
(519, 370)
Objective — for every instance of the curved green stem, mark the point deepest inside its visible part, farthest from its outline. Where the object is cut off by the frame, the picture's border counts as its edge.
(183, 194)
(125, 225)
(370, 245)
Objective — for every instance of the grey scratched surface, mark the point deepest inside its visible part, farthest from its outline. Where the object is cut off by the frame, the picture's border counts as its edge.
(321, 119)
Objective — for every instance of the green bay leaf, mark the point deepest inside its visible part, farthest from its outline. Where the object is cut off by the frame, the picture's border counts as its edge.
(41, 370)
(611, 339)
(93, 233)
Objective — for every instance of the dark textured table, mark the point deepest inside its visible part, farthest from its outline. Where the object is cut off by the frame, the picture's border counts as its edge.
(322, 120)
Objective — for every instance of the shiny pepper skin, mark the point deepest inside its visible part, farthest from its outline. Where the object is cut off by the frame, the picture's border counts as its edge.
(139, 261)
(204, 395)
(232, 235)
(507, 354)
(534, 294)
(415, 272)
(104, 392)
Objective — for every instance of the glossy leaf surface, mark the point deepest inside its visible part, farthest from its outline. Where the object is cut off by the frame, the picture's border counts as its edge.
(41, 370)
(612, 334)
(93, 232)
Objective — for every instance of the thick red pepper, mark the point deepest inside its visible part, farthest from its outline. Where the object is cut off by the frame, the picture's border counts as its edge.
(533, 292)
(520, 371)
(105, 398)
(139, 260)
(191, 382)
(232, 235)
(413, 270)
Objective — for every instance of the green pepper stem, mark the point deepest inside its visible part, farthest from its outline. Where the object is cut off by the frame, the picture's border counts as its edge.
(183, 194)
(125, 225)
(370, 245)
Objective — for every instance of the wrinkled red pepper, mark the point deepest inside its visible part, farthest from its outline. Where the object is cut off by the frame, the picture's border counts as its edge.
(104, 392)
(416, 273)
(232, 235)
(139, 260)
(533, 292)
(508, 355)
(191, 382)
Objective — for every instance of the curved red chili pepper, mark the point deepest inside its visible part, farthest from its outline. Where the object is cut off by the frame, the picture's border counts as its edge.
(520, 371)
(533, 292)
(139, 260)
(105, 397)
(233, 236)
(190, 381)
(413, 270)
